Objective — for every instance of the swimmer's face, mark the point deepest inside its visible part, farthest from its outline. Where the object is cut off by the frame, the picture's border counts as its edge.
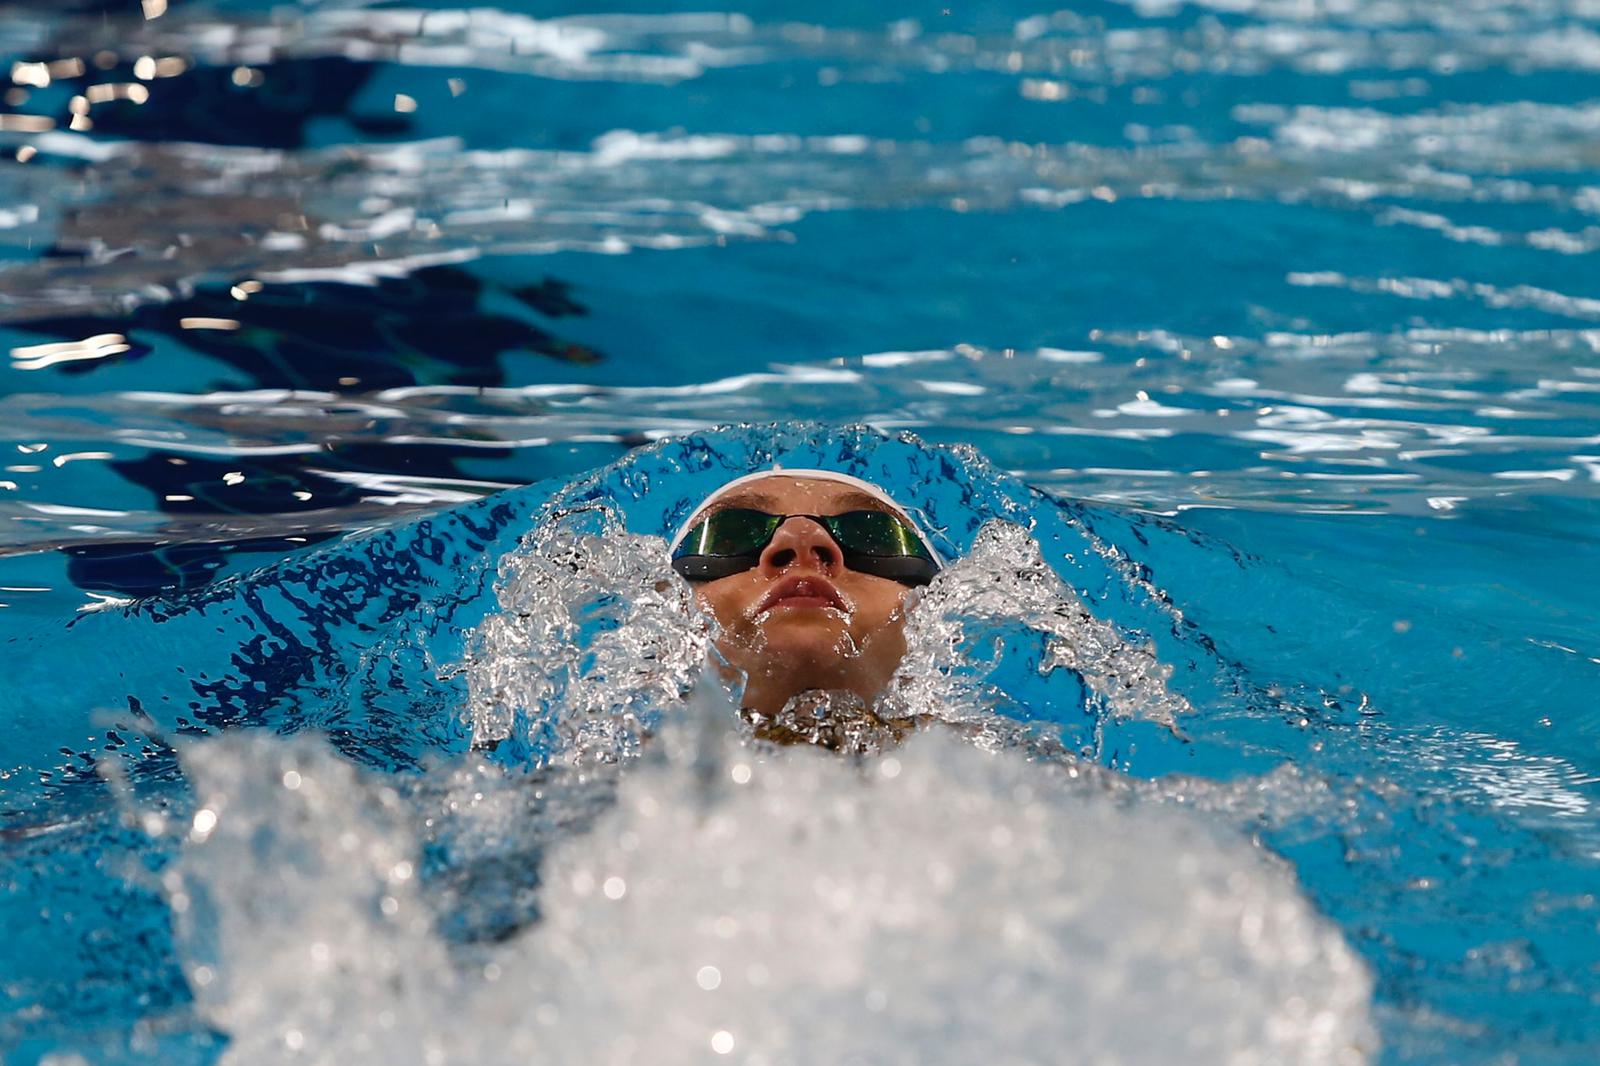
(800, 619)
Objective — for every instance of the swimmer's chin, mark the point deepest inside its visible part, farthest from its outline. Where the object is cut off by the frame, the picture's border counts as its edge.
(802, 621)
(816, 636)
(798, 612)
(803, 609)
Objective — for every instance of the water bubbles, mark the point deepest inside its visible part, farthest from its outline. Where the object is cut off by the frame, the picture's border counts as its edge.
(834, 719)
(594, 636)
(205, 820)
(722, 1042)
(615, 888)
(1005, 581)
(708, 978)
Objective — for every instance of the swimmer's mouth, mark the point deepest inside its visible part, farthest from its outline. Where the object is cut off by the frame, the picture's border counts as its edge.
(798, 591)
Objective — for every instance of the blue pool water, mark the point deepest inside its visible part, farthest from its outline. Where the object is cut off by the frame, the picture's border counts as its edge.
(1274, 325)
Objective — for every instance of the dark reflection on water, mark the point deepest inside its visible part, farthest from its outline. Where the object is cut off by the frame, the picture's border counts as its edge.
(269, 108)
(427, 328)
(146, 569)
(317, 485)
(325, 336)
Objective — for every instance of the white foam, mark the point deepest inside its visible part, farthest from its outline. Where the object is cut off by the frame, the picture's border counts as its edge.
(937, 905)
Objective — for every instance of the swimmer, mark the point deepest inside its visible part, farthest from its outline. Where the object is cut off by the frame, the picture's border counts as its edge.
(807, 574)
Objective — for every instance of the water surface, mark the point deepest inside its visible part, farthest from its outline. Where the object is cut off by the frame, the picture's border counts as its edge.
(1298, 300)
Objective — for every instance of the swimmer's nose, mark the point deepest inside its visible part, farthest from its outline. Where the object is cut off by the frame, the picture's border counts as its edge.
(800, 542)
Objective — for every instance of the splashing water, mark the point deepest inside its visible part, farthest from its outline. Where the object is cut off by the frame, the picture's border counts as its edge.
(938, 905)
(475, 883)
(1005, 584)
(595, 635)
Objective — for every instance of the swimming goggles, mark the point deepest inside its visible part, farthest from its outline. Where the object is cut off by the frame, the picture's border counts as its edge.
(730, 541)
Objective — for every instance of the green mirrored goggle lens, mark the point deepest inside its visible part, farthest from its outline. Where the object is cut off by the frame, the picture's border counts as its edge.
(874, 533)
(736, 531)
